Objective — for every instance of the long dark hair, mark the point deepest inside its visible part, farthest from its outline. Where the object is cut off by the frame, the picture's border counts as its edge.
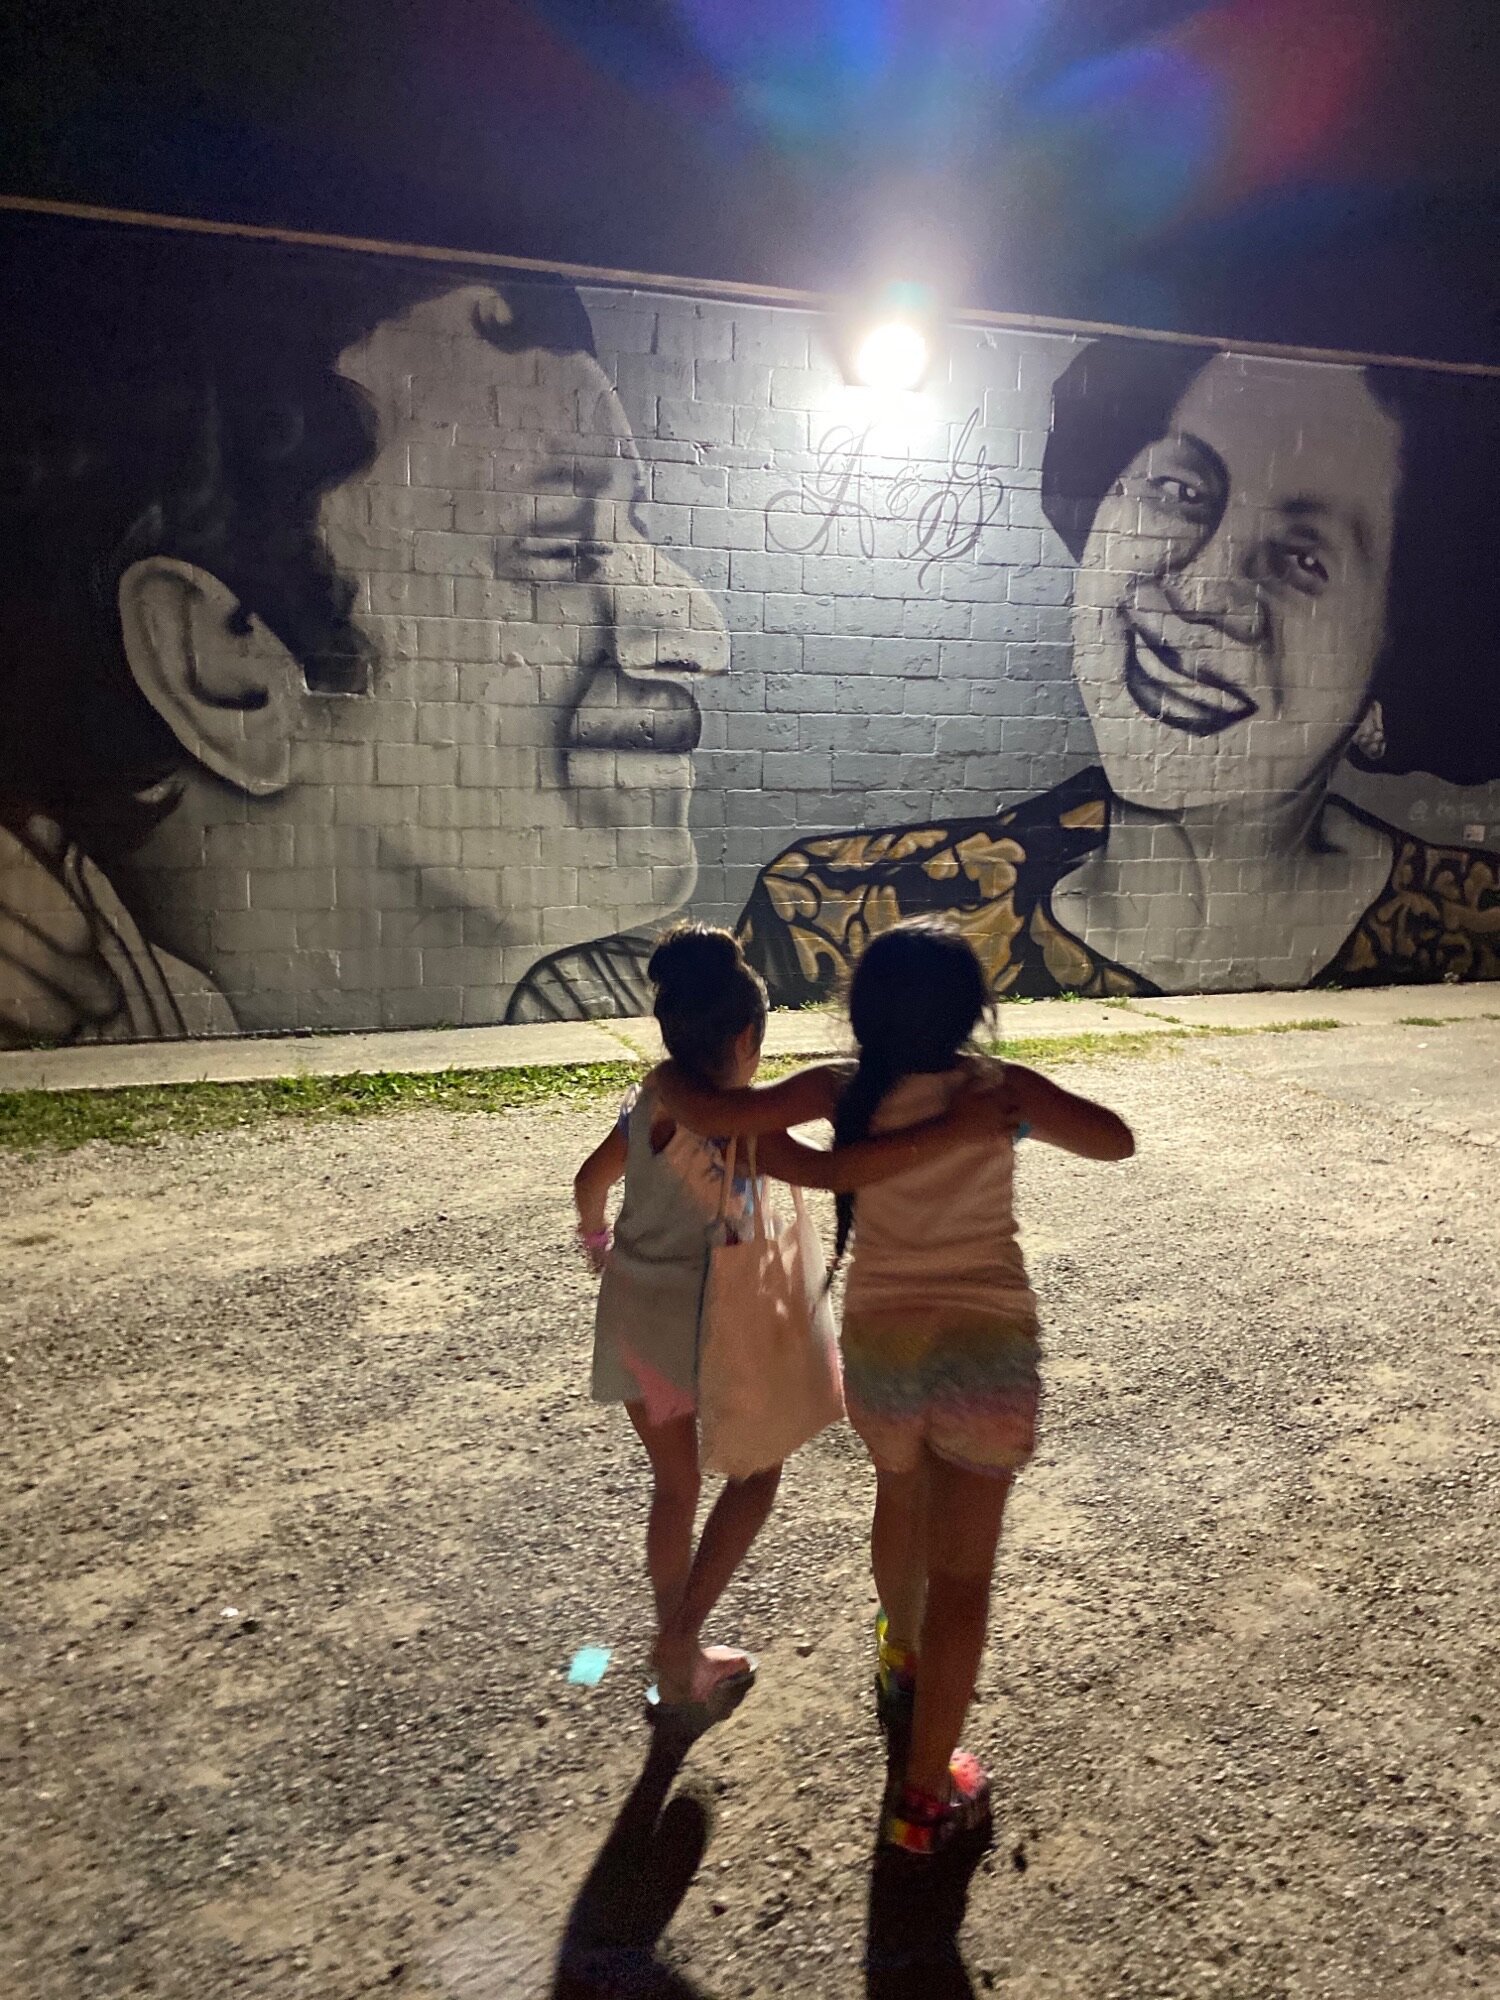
(706, 997)
(917, 995)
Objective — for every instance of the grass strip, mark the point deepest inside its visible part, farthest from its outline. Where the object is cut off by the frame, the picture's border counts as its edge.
(143, 1114)
(60, 1120)
(1041, 1051)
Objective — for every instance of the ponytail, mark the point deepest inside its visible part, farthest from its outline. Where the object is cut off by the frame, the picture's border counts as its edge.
(918, 993)
(878, 1073)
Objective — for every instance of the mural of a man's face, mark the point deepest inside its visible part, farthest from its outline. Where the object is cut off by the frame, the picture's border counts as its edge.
(516, 776)
(1229, 608)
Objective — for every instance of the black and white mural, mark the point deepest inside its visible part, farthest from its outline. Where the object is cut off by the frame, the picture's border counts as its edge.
(1274, 591)
(385, 645)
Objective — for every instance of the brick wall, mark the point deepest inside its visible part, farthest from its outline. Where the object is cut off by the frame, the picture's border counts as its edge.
(867, 687)
(386, 646)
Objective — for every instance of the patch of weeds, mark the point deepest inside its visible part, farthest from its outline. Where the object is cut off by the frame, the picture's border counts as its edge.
(1050, 1049)
(59, 1120)
(1225, 1029)
(143, 1115)
(1427, 1021)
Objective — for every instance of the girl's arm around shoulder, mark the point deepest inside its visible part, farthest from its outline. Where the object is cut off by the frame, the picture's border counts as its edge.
(1077, 1124)
(974, 1115)
(807, 1095)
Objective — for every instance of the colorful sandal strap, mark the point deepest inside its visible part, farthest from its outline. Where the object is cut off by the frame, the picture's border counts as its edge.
(918, 1823)
(896, 1662)
(914, 1832)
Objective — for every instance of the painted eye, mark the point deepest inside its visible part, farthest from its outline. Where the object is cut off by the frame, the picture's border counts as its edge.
(1303, 568)
(1182, 496)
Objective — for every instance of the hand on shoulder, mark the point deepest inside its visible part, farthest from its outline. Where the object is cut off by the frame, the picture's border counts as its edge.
(988, 1106)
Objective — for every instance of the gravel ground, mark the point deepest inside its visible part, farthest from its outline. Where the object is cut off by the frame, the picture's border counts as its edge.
(307, 1513)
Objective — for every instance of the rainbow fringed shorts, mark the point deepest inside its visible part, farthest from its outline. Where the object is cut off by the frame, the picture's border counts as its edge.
(963, 1383)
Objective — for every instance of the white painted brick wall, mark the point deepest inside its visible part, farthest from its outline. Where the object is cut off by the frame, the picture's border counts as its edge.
(891, 656)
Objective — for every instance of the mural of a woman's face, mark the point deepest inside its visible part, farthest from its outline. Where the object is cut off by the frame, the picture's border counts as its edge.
(1230, 604)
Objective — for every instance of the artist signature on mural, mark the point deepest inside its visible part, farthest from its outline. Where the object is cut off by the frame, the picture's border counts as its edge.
(948, 505)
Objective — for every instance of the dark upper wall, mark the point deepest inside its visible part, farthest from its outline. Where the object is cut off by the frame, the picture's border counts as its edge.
(1316, 171)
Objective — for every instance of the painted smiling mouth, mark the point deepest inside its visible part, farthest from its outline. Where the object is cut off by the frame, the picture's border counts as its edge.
(1193, 699)
(618, 713)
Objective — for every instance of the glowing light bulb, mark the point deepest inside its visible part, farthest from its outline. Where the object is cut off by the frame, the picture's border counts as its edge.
(891, 356)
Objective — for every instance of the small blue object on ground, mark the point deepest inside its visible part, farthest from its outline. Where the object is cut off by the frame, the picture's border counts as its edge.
(589, 1663)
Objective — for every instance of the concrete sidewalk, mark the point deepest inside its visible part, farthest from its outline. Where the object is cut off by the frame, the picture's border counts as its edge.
(805, 1032)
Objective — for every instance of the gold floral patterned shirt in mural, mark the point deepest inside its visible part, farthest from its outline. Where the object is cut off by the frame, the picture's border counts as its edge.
(816, 905)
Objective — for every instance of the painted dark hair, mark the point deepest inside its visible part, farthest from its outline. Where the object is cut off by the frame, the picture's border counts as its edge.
(706, 997)
(172, 394)
(917, 995)
(1438, 675)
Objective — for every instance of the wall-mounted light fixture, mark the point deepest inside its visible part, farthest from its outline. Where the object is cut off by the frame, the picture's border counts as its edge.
(891, 356)
(886, 339)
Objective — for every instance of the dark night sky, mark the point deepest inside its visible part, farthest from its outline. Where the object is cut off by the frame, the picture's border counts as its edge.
(1321, 171)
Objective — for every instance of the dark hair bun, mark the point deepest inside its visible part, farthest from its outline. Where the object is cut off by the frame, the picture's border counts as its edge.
(694, 961)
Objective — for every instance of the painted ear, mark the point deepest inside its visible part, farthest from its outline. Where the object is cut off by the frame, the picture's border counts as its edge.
(229, 695)
(1369, 738)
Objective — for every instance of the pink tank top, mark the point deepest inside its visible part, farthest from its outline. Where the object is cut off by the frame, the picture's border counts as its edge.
(943, 1233)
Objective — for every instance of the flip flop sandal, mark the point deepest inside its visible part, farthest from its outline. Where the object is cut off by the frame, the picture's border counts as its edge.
(915, 1823)
(690, 1718)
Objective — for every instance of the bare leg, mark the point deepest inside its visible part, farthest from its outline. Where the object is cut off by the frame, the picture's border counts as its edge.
(673, 1450)
(737, 1518)
(965, 1513)
(898, 1553)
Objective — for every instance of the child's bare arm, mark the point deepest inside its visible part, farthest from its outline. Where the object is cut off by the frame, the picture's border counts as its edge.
(799, 1099)
(594, 1179)
(977, 1114)
(1077, 1124)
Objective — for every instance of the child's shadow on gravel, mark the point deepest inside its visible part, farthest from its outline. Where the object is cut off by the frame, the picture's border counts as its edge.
(917, 1909)
(634, 1889)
